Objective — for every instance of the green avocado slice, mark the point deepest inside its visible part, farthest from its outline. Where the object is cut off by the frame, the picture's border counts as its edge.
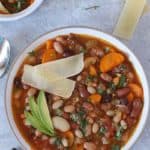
(35, 123)
(44, 112)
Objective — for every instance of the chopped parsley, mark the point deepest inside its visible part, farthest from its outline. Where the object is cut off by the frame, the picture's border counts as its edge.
(102, 130)
(122, 81)
(115, 147)
(119, 133)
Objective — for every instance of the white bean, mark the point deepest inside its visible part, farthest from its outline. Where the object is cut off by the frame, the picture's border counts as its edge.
(110, 113)
(117, 117)
(31, 92)
(89, 146)
(95, 128)
(91, 90)
(57, 104)
(69, 108)
(52, 140)
(64, 142)
(88, 130)
(61, 123)
(123, 124)
(58, 47)
(78, 133)
(105, 141)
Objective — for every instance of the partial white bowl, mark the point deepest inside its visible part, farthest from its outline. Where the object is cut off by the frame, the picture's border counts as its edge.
(91, 32)
(21, 14)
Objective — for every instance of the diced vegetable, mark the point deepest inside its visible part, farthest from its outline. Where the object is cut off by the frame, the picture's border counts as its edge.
(95, 98)
(49, 55)
(70, 137)
(111, 60)
(136, 89)
(92, 70)
(130, 97)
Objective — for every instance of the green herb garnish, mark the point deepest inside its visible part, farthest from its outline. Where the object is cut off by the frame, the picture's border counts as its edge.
(102, 130)
(32, 53)
(39, 117)
(122, 81)
(115, 147)
(119, 133)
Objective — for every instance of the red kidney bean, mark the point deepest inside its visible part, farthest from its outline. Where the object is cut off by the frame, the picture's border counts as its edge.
(130, 121)
(83, 91)
(136, 108)
(67, 53)
(106, 107)
(106, 77)
(88, 106)
(122, 92)
(123, 101)
(106, 98)
(17, 82)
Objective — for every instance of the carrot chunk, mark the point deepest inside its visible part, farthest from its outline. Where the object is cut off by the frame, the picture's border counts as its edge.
(70, 137)
(92, 71)
(95, 98)
(48, 55)
(111, 60)
(130, 97)
(136, 89)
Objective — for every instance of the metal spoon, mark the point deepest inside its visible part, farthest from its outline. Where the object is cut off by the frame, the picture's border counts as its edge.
(4, 55)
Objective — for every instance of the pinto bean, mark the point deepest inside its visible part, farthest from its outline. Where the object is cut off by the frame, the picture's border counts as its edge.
(88, 130)
(89, 146)
(87, 106)
(97, 52)
(58, 47)
(83, 91)
(106, 77)
(122, 92)
(31, 92)
(69, 108)
(89, 60)
(78, 133)
(67, 53)
(57, 104)
(95, 128)
(123, 101)
(136, 108)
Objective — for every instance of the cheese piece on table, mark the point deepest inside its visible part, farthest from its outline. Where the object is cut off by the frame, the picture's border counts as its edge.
(129, 18)
(62, 68)
(63, 88)
(3, 9)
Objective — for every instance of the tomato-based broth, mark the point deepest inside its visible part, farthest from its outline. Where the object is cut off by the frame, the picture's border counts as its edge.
(104, 107)
(14, 6)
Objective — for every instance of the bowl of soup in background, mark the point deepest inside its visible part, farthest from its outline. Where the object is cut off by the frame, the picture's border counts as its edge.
(91, 32)
(23, 13)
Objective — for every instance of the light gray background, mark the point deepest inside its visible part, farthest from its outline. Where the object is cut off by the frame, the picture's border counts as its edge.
(57, 13)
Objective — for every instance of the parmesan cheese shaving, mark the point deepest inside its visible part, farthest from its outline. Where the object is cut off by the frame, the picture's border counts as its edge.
(51, 76)
(62, 68)
(129, 18)
(63, 88)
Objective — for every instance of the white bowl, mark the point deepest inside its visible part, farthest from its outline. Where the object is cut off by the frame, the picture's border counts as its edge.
(95, 33)
(21, 14)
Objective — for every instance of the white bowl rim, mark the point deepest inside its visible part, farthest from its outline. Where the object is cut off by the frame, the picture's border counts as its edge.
(21, 14)
(88, 31)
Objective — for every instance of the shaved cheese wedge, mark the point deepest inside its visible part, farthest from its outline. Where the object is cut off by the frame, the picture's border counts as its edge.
(129, 18)
(3, 9)
(62, 68)
(63, 88)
